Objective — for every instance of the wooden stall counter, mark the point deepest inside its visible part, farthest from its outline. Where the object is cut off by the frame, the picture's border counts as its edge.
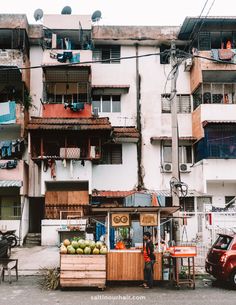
(128, 265)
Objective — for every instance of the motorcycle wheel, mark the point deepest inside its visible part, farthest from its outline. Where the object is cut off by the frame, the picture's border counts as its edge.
(12, 241)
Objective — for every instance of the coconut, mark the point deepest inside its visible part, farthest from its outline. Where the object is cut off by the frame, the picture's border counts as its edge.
(70, 250)
(96, 251)
(63, 249)
(87, 242)
(81, 243)
(99, 244)
(79, 251)
(75, 244)
(92, 244)
(66, 242)
(87, 250)
(103, 250)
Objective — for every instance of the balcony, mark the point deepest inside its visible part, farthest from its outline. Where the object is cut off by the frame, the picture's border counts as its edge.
(204, 70)
(59, 111)
(219, 170)
(211, 113)
(62, 57)
(11, 59)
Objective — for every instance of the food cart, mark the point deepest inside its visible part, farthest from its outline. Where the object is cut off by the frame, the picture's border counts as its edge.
(127, 264)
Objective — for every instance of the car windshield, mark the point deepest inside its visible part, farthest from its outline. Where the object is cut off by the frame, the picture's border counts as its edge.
(222, 242)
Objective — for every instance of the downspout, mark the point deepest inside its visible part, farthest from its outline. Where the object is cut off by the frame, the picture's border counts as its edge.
(138, 121)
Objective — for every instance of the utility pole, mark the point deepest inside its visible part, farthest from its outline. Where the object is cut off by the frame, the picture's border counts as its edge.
(175, 146)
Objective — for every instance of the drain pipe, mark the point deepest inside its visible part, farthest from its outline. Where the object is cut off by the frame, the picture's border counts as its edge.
(138, 121)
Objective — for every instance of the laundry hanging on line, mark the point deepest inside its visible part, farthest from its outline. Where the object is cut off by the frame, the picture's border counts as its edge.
(8, 112)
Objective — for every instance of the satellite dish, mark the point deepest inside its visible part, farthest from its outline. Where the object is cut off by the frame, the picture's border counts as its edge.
(96, 16)
(38, 14)
(66, 10)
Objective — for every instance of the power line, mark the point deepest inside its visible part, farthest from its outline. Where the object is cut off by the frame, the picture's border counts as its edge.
(202, 23)
(84, 62)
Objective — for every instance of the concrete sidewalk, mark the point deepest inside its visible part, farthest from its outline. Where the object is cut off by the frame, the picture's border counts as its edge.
(32, 259)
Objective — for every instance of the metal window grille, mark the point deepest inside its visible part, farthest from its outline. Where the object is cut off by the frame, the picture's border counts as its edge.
(183, 103)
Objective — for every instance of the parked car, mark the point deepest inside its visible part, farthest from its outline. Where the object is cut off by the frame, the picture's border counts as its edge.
(221, 259)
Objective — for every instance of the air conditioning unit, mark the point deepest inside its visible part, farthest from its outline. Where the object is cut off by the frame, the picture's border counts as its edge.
(167, 167)
(185, 168)
(95, 111)
(188, 64)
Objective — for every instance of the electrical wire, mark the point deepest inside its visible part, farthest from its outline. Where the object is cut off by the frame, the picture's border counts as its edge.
(201, 25)
(81, 63)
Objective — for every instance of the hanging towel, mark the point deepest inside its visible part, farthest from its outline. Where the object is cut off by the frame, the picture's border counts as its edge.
(8, 112)
(6, 148)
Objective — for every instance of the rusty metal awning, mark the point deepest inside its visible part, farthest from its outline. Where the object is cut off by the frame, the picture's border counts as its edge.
(167, 138)
(130, 134)
(10, 183)
(164, 211)
(112, 194)
(69, 124)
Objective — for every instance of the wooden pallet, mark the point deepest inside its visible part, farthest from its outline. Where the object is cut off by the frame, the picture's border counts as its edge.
(83, 271)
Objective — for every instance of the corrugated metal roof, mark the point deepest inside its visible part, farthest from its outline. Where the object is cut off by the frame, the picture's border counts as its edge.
(112, 194)
(125, 132)
(10, 183)
(69, 124)
(204, 123)
(166, 193)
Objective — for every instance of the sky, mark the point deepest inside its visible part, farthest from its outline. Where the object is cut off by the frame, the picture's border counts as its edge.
(124, 12)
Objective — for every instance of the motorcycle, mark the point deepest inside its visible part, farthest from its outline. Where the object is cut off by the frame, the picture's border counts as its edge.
(10, 237)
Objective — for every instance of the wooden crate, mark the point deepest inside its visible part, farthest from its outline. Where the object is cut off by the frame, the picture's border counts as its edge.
(83, 271)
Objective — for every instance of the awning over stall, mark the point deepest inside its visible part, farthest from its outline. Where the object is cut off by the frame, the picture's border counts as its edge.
(164, 211)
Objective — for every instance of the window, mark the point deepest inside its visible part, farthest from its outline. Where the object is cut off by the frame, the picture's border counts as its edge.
(112, 154)
(10, 208)
(107, 54)
(183, 103)
(185, 154)
(222, 242)
(230, 199)
(187, 204)
(107, 103)
(214, 93)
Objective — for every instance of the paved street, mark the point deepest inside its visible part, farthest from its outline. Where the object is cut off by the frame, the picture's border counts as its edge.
(27, 291)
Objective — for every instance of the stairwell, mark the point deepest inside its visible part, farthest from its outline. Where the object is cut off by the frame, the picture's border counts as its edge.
(32, 239)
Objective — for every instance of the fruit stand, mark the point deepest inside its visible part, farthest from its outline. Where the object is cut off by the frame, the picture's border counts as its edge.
(83, 270)
(82, 263)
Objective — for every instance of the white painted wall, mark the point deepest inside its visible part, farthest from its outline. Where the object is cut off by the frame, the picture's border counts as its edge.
(123, 73)
(36, 80)
(50, 227)
(116, 177)
(213, 112)
(73, 171)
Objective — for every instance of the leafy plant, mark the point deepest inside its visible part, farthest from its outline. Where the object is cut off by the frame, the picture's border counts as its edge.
(50, 278)
(27, 101)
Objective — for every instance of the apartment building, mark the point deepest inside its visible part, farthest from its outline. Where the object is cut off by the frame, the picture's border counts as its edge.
(100, 125)
(14, 105)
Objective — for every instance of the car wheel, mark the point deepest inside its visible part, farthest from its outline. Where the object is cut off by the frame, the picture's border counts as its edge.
(233, 279)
